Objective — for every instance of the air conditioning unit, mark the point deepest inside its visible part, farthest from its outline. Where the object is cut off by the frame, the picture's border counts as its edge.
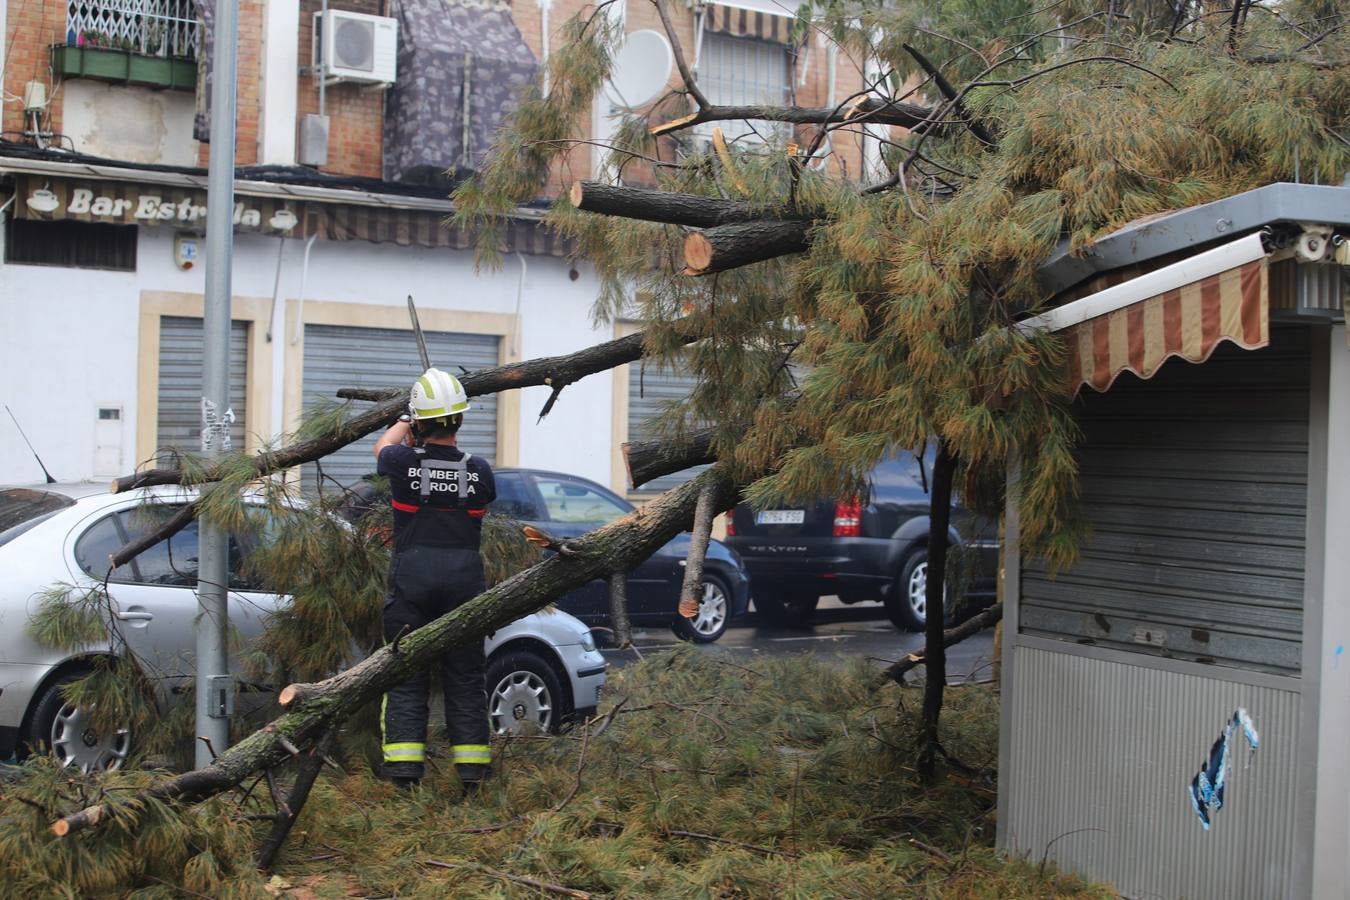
(355, 47)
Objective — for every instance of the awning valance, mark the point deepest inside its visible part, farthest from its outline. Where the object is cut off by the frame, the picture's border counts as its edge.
(764, 20)
(1183, 310)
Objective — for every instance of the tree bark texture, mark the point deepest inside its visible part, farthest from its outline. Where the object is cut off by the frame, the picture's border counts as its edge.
(647, 460)
(969, 628)
(881, 112)
(671, 208)
(618, 610)
(934, 650)
(312, 709)
(733, 246)
(692, 591)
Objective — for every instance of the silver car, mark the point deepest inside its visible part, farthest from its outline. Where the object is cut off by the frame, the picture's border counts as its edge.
(541, 669)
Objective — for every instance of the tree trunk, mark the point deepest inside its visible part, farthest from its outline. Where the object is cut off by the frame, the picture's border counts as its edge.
(312, 709)
(647, 460)
(671, 208)
(733, 246)
(934, 652)
(692, 591)
(972, 626)
(618, 611)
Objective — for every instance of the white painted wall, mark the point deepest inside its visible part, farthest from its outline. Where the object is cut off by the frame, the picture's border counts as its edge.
(130, 123)
(71, 336)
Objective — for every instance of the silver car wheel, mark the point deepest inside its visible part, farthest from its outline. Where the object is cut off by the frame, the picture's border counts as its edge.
(75, 743)
(712, 609)
(520, 701)
(918, 590)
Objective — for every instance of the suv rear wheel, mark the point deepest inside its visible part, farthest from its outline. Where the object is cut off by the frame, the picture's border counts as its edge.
(907, 603)
(782, 605)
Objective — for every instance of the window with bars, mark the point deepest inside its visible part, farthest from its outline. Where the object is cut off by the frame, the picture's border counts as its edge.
(737, 71)
(147, 27)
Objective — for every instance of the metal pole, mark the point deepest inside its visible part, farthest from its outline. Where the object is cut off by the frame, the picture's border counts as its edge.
(215, 692)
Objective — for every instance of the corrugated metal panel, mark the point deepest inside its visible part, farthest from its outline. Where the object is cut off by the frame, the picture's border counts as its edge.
(1194, 486)
(652, 390)
(342, 356)
(180, 383)
(1101, 758)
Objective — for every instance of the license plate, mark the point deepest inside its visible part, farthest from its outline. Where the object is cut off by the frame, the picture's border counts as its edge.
(780, 517)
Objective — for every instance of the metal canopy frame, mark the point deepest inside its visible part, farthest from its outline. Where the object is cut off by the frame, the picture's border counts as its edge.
(1222, 220)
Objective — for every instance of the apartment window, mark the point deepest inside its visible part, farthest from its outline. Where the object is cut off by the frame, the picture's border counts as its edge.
(146, 27)
(65, 242)
(737, 71)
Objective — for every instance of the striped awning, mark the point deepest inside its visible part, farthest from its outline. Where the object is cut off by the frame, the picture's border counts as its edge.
(1184, 310)
(762, 20)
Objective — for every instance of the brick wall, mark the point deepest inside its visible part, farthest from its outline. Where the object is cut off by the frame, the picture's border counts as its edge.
(355, 112)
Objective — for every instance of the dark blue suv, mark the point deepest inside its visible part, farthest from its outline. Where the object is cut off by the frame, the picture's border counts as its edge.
(873, 550)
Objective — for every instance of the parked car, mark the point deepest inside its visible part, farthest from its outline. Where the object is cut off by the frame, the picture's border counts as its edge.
(876, 550)
(568, 506)
(541, 669)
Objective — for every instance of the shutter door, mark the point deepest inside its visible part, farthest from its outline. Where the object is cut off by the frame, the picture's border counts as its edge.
(180, 383)
(343, 356)
(1194, 486)
(651, 391)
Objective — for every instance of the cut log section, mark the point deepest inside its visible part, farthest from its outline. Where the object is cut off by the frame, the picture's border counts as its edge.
(732, 246)
(879, 112)
(670, 208)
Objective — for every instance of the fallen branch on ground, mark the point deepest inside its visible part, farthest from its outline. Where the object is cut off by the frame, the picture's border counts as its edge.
(975, 624)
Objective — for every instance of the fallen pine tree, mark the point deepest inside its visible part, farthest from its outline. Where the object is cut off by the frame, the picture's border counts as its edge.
(314, 709)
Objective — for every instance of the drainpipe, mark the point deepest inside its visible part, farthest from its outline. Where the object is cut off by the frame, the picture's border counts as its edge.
(520, 293)
(300, 301)
(323, 80)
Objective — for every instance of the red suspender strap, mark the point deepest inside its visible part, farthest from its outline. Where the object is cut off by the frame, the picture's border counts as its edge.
(404, 507)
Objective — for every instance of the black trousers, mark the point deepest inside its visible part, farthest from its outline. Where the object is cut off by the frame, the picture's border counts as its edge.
(425, 583)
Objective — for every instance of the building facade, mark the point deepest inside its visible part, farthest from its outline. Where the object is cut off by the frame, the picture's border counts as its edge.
(341, 196)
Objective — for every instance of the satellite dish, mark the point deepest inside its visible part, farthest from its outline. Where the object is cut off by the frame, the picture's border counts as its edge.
(641, 70)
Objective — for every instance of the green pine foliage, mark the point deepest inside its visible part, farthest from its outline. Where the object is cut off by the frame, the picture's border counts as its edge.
(894, 328)
(790, 777)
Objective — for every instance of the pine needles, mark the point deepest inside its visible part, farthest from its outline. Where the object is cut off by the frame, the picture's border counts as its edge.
(787, 777)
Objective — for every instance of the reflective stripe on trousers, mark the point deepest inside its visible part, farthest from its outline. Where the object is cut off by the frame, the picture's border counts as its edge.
(472, 754)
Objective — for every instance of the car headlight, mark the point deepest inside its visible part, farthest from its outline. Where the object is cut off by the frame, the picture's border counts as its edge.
(588, 641)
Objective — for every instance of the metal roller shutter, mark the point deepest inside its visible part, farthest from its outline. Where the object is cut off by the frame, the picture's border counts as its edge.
(343, 356)
(1195, 488)
(651, 390)
(180, 383)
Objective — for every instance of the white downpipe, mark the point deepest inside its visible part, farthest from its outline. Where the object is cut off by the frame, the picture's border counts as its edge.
(520, 295)
(300, 301)
(544, 6)
(698, 39)
(1159, 281)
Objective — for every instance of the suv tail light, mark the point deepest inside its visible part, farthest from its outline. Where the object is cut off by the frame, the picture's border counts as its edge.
(848, 518)
(731, 523)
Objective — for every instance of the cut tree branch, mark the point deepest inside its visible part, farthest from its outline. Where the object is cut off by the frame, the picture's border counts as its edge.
(871, 111)
(970, 627)
(672, 208)
(732, 246)
(692, 591)
(686, 75)
(647, 460)
(313, 709)
(618, 611)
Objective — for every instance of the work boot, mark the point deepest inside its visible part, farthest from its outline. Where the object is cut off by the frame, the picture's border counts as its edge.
(472, 778)
(406, 785)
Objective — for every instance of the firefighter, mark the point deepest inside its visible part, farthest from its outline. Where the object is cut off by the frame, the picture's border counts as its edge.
(440, 495)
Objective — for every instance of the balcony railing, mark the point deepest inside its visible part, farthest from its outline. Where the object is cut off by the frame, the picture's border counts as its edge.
(164, 28)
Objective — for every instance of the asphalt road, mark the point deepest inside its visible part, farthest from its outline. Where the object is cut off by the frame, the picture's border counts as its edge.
(835, 631)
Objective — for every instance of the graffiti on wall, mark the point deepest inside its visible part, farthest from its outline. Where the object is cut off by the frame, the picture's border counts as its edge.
(1207, 787)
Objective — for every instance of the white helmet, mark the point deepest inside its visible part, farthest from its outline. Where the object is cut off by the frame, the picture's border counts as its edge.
(437, 394)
